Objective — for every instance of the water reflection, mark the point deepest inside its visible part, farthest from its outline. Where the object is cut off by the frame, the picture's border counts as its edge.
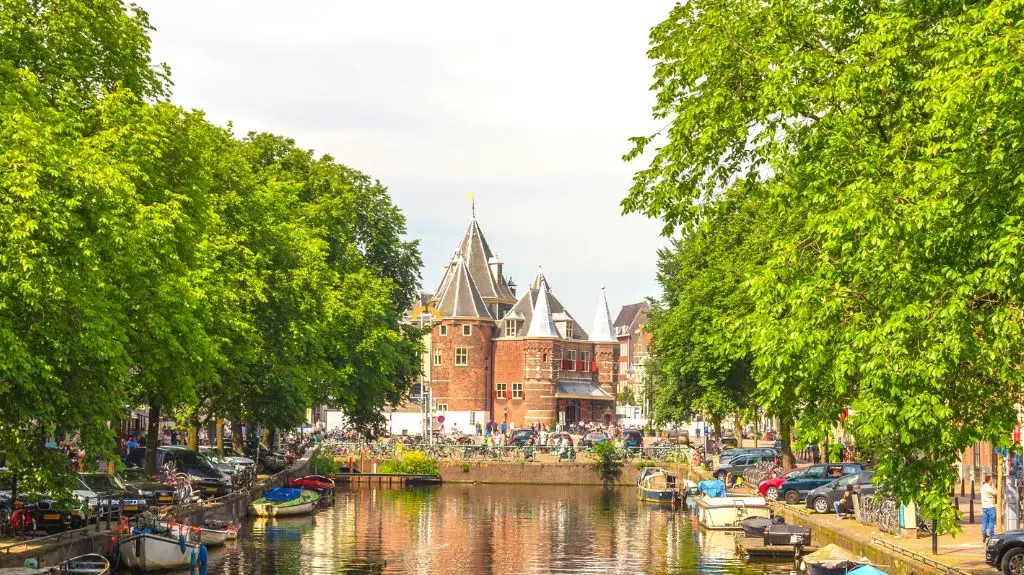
(483, 529)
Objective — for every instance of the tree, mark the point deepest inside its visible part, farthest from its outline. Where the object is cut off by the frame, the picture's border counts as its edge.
(886, 136)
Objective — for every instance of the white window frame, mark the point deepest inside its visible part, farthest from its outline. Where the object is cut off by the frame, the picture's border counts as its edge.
(437, 356)
(501, 390)
(586, 357)
(572, 359)
(467, 329)
(443, 330)
(517, 391)
(568, 330)
(465, 356)
(441, 407)
(511, 328)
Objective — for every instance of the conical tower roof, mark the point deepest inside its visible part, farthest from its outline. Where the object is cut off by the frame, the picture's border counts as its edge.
(541, 324)
(602, 329)
(478, 255)
(459, 296)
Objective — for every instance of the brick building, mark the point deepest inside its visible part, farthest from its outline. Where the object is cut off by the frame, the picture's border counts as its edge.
(634, 342)
(498, 357)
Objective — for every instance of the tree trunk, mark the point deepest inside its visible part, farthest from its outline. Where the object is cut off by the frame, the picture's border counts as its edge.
(193, 433)
(220, 436)
(266, 437)
(717, 424)
(786, 433)
(236, 436)
(152, 437)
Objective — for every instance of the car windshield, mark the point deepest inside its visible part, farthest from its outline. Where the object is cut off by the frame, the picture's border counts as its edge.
(135, 474)
(101, 481)
(195, 459)
(523, 433)
(596, 436)
(796, 473)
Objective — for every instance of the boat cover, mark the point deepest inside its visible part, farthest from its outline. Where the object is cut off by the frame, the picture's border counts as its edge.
(754, 526)
(712, 488)
(832, 556)
(282, 494)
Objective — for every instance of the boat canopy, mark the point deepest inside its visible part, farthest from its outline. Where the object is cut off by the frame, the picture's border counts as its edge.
(712, 488)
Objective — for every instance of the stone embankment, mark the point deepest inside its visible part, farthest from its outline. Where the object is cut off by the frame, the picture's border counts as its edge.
(579, 472)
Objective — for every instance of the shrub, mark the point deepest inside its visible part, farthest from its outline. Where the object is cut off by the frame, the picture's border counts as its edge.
(609, 461)
(464, 467)
(322, 463)
(641, 463)
(411, 462)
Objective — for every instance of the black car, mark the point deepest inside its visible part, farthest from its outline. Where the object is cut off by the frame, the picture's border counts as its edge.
(522, 437)
(113, 495)
(737, 465)
(821, 499)
(206, 479)
(632, 439)
(140, 484)
(731, 453)
(1006, 551)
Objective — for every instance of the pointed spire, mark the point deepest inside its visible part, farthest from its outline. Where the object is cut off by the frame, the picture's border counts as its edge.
(541, 324)
(602, 330)
(539, 279)
(459, 296)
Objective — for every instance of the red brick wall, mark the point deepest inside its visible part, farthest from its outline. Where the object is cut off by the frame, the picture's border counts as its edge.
(606, 355)
(463, 388)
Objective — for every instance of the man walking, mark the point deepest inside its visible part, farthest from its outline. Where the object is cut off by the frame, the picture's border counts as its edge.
(988, 509)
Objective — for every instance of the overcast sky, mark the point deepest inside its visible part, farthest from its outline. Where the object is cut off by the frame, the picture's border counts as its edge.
(528, 105)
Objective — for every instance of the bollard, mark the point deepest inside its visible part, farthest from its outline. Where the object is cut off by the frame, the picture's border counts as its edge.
(972, 488)
(971, 520)
(935, 537)
(110, 510)
(961, 487)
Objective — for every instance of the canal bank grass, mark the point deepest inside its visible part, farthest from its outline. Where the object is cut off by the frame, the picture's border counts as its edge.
(409, 462)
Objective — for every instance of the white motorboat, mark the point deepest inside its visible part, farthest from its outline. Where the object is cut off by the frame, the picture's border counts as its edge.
(151, 552)
(207, 535)
(727, 512)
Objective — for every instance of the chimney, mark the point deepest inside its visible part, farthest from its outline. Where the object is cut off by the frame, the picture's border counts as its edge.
(495, 264)
(512, 286)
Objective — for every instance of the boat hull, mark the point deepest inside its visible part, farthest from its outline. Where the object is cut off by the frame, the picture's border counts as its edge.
(271, 510)
(208, 537)
(727, 512)
(148, 552)
(656, 495)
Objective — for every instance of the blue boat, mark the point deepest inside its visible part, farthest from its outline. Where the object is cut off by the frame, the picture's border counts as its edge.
(658, 485)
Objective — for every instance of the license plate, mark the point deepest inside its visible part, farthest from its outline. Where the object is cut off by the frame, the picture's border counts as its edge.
(166, 498)
(211, 490)
(131, 507)
(51, 517)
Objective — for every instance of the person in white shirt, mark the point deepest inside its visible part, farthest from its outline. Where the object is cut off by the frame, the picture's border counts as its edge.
(988, 509)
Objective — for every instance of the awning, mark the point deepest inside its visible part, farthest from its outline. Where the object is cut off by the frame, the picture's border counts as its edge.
(581, 390)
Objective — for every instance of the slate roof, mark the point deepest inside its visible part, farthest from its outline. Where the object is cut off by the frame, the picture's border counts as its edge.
(478, 255)
(602, 329)
(541, 324)
(524, 310)
(629, 312)
(580, 389)
(459, 296)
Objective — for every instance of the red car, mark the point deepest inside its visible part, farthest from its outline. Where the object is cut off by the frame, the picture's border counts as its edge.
(769, 488)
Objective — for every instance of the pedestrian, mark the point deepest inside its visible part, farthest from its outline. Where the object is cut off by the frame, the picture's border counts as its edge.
(988, 509)
(132, 444)
(489, 425)
(503, 428)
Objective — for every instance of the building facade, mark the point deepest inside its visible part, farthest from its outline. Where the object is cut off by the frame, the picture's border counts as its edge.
(634, 344)
(496, 356)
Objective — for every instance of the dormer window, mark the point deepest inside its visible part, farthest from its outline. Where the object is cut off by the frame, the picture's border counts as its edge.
(568, 330)
(511, 328)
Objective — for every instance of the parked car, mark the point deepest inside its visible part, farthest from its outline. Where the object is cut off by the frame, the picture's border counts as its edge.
(140, 484)
(1006, 551)
(737, 465)
(821, 498)
(112, 494)
(592, 439)
(238, 461)
(769, 488)
(632, 439)
(522, 437)
(796, 490)
(728, 455)
(206, 479)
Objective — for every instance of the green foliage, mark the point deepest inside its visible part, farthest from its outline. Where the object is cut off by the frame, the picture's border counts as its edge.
(321, 462)
(881, 144)
(641, 463)
(150, 257)
(464, 467)
(412, 462)
(626, 396)
(609, 460)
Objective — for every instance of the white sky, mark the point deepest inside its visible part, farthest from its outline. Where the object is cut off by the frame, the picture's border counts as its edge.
(527, 105)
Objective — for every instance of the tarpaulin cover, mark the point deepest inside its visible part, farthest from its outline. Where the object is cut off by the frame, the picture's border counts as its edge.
(832, 557)
(712, 488)
(282, 494)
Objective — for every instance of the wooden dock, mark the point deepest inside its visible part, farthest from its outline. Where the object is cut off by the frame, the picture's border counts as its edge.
(393, 479)
(754, 547)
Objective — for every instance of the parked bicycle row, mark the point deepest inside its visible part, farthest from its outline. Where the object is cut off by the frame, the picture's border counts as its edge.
(563, 447)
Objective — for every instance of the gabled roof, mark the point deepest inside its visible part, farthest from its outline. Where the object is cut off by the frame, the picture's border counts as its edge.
(602, 330)
(524, 310)
(459, 296)
(629, 312)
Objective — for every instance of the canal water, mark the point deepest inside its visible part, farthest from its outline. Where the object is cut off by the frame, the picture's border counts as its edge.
(484, 529)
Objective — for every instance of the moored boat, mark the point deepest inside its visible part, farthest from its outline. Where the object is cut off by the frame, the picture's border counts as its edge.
(89, 564)
(155, 552)
(832, 560)
(208, 534)
(313, 483)
(716, 509)
(284, 502)
(658, 485)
